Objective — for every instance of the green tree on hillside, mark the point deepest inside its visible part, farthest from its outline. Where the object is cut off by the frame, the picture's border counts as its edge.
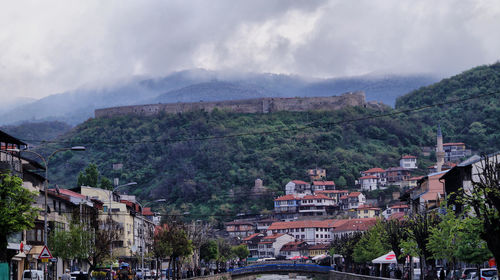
(92, 178)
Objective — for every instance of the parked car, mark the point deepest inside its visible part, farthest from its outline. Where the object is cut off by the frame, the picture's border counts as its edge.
(467, 271)
(33, 274)
(488, 273)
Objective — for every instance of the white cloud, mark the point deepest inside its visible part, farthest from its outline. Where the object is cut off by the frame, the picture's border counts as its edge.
(52, 46)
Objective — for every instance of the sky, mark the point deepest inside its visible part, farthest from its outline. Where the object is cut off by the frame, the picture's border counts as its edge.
(48, 47)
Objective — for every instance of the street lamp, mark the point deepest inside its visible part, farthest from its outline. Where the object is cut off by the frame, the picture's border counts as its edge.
(110, 220)
(46, 182)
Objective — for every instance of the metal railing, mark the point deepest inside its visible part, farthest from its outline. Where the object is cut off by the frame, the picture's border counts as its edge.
(283, 267)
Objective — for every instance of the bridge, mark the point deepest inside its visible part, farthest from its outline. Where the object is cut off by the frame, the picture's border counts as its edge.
(283, 268)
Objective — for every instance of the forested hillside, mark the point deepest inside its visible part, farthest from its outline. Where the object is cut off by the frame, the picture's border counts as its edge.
(34, 132)
(475, 122)
(206, 163)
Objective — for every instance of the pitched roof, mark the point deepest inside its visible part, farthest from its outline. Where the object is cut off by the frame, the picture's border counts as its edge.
(344, 197)
(397, 216)
(355, 225)
(302, 224)
(299, 182)
(71, 193)
(287, 197)
(293, 246)
(332, 191)
(408, 156)
(367, 207)
(320, 246)
(399, 206)
(374, 170)
(415, 178)
(368, 177)
(324, 183)
(252, 236)
(274, 236)
(354, 194)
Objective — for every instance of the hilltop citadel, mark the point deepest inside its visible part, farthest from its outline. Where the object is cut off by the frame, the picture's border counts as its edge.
(257, 105)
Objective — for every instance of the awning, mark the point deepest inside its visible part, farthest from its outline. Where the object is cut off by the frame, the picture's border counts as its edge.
(319, 257)
(390, 258)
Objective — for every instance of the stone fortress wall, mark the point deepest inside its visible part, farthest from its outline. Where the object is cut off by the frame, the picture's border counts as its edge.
(257, 105)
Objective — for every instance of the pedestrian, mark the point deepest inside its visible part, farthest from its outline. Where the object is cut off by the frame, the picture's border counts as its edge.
(441, 274)
(66, 275)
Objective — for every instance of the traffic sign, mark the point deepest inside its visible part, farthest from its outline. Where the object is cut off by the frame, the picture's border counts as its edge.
(45, 254)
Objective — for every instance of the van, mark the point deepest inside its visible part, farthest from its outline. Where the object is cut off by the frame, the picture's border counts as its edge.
(33, 274)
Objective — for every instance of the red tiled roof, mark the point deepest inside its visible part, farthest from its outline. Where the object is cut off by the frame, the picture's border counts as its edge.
(250, 237)
(356, 224)
(301, 224)
(287, 197)
(454, 144)
(324, 183)
(374, 170)
(299, 182)
(397, 216)
(368, 207)
(415, 178)
(368, 177)
(72, 193)
(344, 197)
(354, 194)
(332, 191)
(320, 246)
(408, 156)
(274, 236)
(399, 206)
(292, 246)
(146, 211)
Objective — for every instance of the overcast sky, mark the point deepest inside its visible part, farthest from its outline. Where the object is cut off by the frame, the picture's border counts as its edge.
(48, 47)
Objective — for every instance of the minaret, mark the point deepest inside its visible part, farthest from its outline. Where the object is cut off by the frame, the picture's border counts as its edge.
(439, 150)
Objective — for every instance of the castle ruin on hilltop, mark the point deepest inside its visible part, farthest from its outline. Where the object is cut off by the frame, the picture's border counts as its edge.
(257, 105)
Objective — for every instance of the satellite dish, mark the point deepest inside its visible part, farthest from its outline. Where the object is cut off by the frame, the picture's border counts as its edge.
(133, 249)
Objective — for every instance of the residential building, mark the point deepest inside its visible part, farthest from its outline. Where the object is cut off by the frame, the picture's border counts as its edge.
(428, 194)
(408, 162)
(270, 246)
(342, 227)
(377, 172)
(287, 207)
(454, 152)
(322, 186)
(461, 178)
(298, 187)
(367, 211)
(294, 249)
(397, 175)
(318, 249)
(334, 194)
(262, 225)
(315, 205)
(240, 228)
(310, 231)
(316, 174)
(355, 199)
(395, 209)
(252, 242)
(368, 183)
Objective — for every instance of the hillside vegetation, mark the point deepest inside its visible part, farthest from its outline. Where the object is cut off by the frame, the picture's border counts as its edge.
(206, 163)
(215, 174)
(475, 122)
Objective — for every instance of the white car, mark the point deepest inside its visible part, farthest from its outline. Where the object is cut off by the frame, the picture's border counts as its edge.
(488, 273)
(33, 274)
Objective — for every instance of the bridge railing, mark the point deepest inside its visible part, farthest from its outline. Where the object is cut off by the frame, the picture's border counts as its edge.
(285, 267)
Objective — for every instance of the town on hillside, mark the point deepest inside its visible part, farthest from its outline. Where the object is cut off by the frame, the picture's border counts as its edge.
(312, 213)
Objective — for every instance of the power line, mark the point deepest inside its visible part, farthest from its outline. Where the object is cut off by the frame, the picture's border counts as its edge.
(304, 127)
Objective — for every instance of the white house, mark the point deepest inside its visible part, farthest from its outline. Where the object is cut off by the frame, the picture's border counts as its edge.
(355, 199)
(323, 185)
(270, 246)
(408, 161)
(310, 231)
(297, 187)
(368, 183)
(315, 205)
